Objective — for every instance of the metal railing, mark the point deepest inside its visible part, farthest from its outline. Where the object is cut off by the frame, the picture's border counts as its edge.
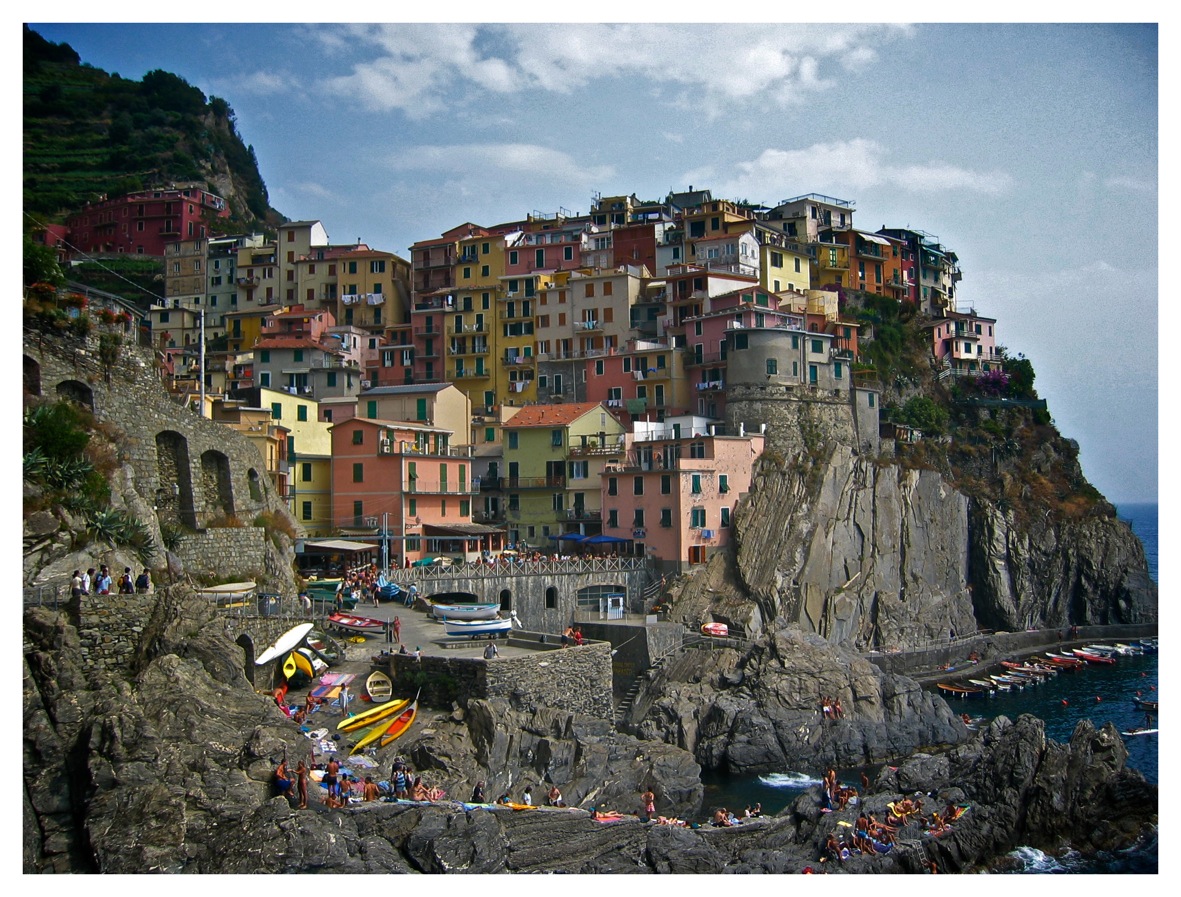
(522, 566)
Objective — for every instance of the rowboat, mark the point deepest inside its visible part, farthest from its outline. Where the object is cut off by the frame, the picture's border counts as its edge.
(1091, 658)
(399, 726)
(718, 629)
(230, 591)
(476, 628)
(353, 623)
(465, 611)
(1154, 706)
(1062, 660)
(984, 683)
(379, 687)
(372, 715)
(284, 643)
(960, 691)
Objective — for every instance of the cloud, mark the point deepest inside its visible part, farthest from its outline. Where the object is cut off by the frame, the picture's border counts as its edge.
(496, 161)
(849, 166)
(1122, 182)
(258, 83)
(423, 69)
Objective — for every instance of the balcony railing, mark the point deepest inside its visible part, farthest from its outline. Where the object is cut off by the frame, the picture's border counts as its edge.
(510, 361)
(491, 484)
(536, 483)
(466, 373)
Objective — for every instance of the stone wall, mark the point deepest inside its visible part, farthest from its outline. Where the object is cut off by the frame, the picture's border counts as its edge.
(798, 418)
(577, 680)
(636, 647)
(214, 553)
(109, 628)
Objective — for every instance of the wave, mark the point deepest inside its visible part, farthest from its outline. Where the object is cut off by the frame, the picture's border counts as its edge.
(797, 780)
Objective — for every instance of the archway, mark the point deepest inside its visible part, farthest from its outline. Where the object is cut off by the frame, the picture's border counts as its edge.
(32, 376)
(216, 484)
(506, 599)
(76, 391)
(174, 497)
(246, 642)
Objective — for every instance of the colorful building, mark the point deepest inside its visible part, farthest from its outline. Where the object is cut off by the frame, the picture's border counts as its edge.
(146, 221)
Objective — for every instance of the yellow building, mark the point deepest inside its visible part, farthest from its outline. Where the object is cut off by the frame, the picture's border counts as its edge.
(554, 455)
(308, 452)
(470, 328)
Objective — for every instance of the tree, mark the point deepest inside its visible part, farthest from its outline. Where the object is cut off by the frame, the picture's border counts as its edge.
(1021, 374)
(923, 413)
(41, 264)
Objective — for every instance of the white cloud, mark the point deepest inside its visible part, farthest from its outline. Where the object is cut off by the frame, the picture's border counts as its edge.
(1122, 182)
(424, 69)
(258, 83)
(848, 167)
(492, 161)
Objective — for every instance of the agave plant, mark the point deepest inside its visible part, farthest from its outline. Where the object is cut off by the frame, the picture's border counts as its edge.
(119, 528)
(34, 464)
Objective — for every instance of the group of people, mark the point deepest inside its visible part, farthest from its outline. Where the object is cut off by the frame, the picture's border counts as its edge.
(835, 795)
(572, 636)
(99, 582)
(831, 708)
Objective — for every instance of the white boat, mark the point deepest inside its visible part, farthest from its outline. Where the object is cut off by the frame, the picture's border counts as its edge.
(284, 643)
(474, 628)
(465, 611)
(230, 591)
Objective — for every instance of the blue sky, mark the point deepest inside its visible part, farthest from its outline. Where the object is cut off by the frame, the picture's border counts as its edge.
(1029, 149)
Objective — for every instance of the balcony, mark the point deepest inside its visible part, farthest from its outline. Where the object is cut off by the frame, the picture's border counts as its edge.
(593, 448)
(462, 348)
(428, 330)
(578, 513)
(491, 484)
(492, 517)
(515, 361)
(555, 482)
(585, 326)
(467, 374)
(693, 359)
(453, 330)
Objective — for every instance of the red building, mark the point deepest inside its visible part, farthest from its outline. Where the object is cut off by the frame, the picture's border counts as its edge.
(142, 223)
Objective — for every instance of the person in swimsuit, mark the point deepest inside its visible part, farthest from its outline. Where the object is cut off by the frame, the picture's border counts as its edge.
(301, 775)
(283, 779)
(330, 780)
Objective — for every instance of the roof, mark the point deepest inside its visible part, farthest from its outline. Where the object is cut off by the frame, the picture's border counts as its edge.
(460, 529)
(338, 545)
(552, 415)
(405, 389)
(293, 342)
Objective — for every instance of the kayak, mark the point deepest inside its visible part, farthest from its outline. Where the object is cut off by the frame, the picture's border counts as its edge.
(372, 715)
(399, 726)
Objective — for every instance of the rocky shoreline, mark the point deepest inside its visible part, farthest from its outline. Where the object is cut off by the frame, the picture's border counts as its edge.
(172, 770)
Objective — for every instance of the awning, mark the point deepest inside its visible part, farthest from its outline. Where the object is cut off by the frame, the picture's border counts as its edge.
(460, 529)
(341, 545)
(570, 537)
(604, 539)
(873, 238)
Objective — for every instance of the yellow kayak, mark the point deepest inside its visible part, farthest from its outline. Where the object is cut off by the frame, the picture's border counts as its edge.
(303, 664)
(289, 666)
(382, 727)
(372, 715)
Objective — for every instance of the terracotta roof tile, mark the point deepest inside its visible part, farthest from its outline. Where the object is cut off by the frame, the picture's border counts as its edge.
(552, 415)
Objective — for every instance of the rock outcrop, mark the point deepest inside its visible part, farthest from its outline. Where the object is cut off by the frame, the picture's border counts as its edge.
(172, 772)
(761, 711)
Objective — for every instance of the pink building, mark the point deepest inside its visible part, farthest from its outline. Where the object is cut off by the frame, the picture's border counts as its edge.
(674, 496)
(144, 222)
(965, 343)
(645, 379)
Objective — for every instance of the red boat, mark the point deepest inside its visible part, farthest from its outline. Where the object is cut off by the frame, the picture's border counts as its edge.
(1071, 663)
(718, 629)
(356, 624)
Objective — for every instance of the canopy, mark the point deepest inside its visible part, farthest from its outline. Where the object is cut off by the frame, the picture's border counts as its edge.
(602, 539)
(570, 537)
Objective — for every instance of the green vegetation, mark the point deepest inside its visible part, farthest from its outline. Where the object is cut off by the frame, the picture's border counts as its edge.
(88, 134)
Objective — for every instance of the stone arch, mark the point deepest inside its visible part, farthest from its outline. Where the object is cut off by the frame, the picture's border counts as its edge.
(216, 483)
(252, 480)
(246, 642)
(551, 597)
(506, 599)
(174, 497)
(32, 376)
(76, 391)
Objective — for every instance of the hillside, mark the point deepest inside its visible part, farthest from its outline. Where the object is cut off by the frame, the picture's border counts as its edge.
(88, 133)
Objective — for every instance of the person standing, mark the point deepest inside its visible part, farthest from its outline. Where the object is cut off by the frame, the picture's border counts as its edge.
(648, 799)
(491, 651)
(126, 585)
(76, 586)
(344, 701)
(143, 582)
(301, 777)
(87, 579)
(527, 797)
(397, 630)
(330, 782)
(103, 582)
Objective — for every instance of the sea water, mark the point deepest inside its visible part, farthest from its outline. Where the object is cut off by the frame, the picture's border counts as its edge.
(1099, 693)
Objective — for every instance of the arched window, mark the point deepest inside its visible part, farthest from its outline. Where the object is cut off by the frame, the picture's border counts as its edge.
(551, 597)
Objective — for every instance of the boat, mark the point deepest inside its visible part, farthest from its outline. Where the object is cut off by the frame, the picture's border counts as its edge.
(379, 687)
(284, 643)
(315, 661)
(477, 628)
(465, 611)
(228, 592)
(1009, 681)
(354, 623)
(1154, 706)
(399, 726)
(1091, 658)
(384, 727)
(1062, 660)
(718, 629)
(984, 683)
(1131, 732)
(1148, 645)
(301, 663)
(372, 715)
(960, 691)
(289, 666)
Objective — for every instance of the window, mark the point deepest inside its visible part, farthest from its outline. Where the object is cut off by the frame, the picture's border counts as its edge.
(442, 477)
(513, 439)
(264, 355)
(306, 472)
(697, 518)
(612, 486)
(666, 517)
(740, 341)
(613, 519)
(465, 507)
(489, 434)
(776, 259)
(772, 367)
(723, 483)
(871, 400)
(725, 518)
(637, 486)
(817, 347)
(264, 379)
(358, 437)
(555, 438)
(568, 255)
(599, 367)
(276, 411)
(638, 518)
(301, 412)
(836, 370)
(579, 470)
(306, 509)
(330, 379)
(696, 481)
(358, 512)
(666, 484)
(371, 409)
(358, 472)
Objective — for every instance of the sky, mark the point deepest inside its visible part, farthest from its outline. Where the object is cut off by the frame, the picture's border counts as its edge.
(1031, 150)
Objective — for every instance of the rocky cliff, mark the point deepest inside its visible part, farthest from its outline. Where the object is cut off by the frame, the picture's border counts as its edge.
(171, 771)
